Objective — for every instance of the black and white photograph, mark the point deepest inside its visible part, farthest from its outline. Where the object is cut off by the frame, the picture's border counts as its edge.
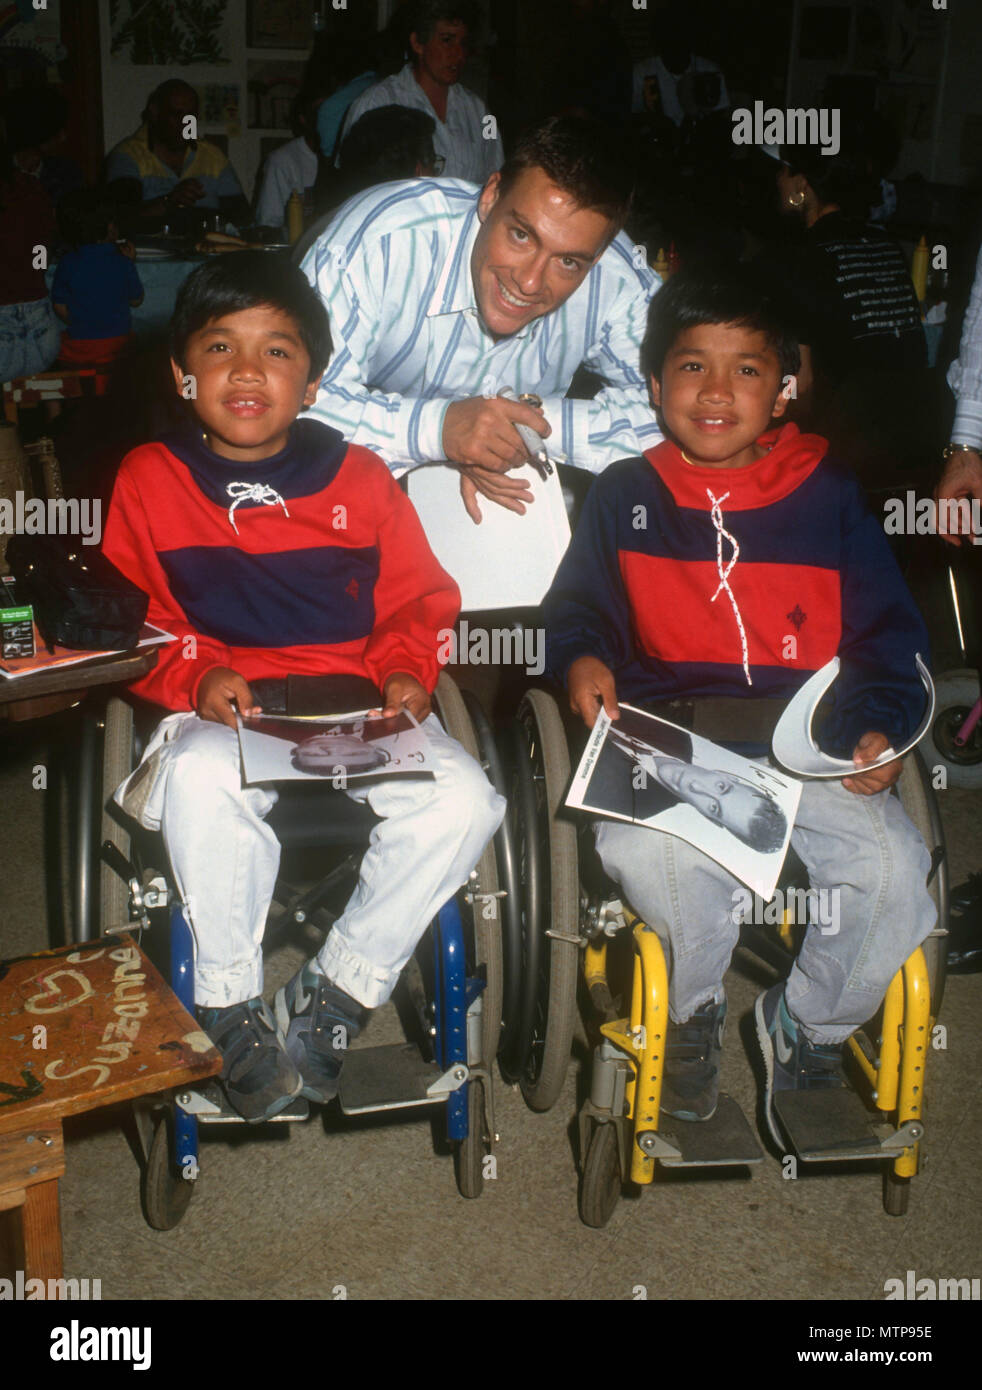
(643, 769)
(277, 749)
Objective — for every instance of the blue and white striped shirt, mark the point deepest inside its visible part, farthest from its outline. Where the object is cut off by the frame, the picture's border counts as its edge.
(965, 374)
(394, 270)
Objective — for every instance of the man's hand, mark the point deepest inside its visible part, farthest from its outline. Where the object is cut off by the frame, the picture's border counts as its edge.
(591, 684)
(216, 691)
(187, 193)
(509, 493)
(127, 249)
(962, 477)
(479, 432)
(867, 750)
(406, 692)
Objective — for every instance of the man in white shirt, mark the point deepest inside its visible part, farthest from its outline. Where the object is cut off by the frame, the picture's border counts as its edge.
(441, 296)
(962, 476)
(290, 168)
(466, 136)
(677, 81)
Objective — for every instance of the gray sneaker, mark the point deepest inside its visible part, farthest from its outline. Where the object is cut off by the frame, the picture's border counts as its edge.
(258, 1078)
(791, 1062)
(690, 1085)
(316, 1022)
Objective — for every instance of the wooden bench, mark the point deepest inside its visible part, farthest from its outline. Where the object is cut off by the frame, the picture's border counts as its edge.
(80, 1028)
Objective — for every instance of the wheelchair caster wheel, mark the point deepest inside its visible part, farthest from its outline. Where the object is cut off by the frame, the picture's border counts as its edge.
(896, 1194)
(163, 1188)
(601, 1188)
(470, 1153)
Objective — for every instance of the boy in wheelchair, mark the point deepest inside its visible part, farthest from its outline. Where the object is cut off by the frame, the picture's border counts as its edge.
(268, 546)
(706, 580)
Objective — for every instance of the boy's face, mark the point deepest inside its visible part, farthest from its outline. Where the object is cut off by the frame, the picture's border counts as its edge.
(720, 388)
(251, 374)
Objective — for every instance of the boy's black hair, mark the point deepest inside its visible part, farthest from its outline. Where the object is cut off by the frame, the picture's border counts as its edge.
(715, 294)
(239, 280)
(84, 216)
(387, 143)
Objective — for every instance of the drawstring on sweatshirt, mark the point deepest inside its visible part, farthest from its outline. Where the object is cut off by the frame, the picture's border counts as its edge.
(724, 574)
(252, 492)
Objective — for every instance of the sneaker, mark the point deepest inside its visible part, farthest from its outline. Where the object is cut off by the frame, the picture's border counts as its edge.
(791, 1062)
(258, 1078)
(316, 1021)
(690, 1086)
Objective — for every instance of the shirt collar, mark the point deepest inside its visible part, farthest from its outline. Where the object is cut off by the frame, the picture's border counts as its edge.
(454, 293)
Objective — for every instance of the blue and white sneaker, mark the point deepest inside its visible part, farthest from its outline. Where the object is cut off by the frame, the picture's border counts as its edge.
(258, 1078)
(316, 1022)
(690, 1083)
(791, 1062)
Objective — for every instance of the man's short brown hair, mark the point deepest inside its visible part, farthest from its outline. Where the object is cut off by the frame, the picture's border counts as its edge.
(583, 157)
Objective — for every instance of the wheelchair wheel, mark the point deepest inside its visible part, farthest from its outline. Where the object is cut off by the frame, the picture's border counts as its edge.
(955, 692)
(166, 1193)
(921, 804)
(470, 1153)
(506, 857)
(600, 1189)
(552, 961)
(896, 1193)
(117, 763)
(450, 709)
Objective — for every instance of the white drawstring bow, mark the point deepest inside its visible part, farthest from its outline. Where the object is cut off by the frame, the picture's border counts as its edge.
(724, 574)
(252, 492)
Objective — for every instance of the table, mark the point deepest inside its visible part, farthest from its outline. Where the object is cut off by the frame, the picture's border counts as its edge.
(79, 1028)
(48, 692)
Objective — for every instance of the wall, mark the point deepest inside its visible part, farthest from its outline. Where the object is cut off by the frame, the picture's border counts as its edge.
(126, 85)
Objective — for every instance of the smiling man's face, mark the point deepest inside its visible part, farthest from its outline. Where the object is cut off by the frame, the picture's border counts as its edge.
(535, 247)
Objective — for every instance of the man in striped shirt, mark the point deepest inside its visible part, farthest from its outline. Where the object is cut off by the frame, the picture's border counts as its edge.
(442, 296)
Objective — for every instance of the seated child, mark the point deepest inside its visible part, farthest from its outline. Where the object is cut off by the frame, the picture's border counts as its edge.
(269, 546)
(733, 560)
(95, 284)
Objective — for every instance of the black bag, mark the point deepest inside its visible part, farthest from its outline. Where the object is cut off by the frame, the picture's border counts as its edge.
(79, 598)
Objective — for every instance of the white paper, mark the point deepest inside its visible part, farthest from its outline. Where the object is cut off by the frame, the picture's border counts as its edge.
(277, 749)
(794, 744)
(508, 561)
(714, 792)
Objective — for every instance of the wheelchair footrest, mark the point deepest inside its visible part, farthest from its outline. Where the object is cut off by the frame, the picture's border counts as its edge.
(725, 1140)
(830, 1126)
(211, 1108)
(392, 1077)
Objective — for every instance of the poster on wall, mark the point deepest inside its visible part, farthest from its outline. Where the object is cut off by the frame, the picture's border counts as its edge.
(30, 38)
(165, 32)
(272, 88)
(280, 23)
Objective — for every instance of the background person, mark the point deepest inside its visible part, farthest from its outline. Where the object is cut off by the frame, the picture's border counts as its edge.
(291, 168)
(440, 32)
(29, 331)
(96, 283)
(159, 176)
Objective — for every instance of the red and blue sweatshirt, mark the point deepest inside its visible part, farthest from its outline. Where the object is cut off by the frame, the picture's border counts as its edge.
(690, 581)
(309, 562)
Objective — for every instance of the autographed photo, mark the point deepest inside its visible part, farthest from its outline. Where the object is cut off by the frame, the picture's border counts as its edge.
(287, 750)
(646, 770)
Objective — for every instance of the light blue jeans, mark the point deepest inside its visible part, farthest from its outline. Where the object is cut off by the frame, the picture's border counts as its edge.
(30, 338)
(862, 849)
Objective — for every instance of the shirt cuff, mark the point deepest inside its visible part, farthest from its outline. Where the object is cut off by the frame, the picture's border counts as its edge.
(967, 428)
(424, 435)
(570, 430)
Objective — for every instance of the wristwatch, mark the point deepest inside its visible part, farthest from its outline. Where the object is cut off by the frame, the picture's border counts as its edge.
(950, 449)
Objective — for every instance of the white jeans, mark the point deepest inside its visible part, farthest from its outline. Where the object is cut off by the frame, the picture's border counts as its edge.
(225, 858)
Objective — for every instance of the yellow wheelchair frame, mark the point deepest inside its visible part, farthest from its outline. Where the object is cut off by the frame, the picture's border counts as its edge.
(895, 1077)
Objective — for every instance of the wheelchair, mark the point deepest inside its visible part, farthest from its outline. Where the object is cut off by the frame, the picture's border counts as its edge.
(448, 997)
(561, 908)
